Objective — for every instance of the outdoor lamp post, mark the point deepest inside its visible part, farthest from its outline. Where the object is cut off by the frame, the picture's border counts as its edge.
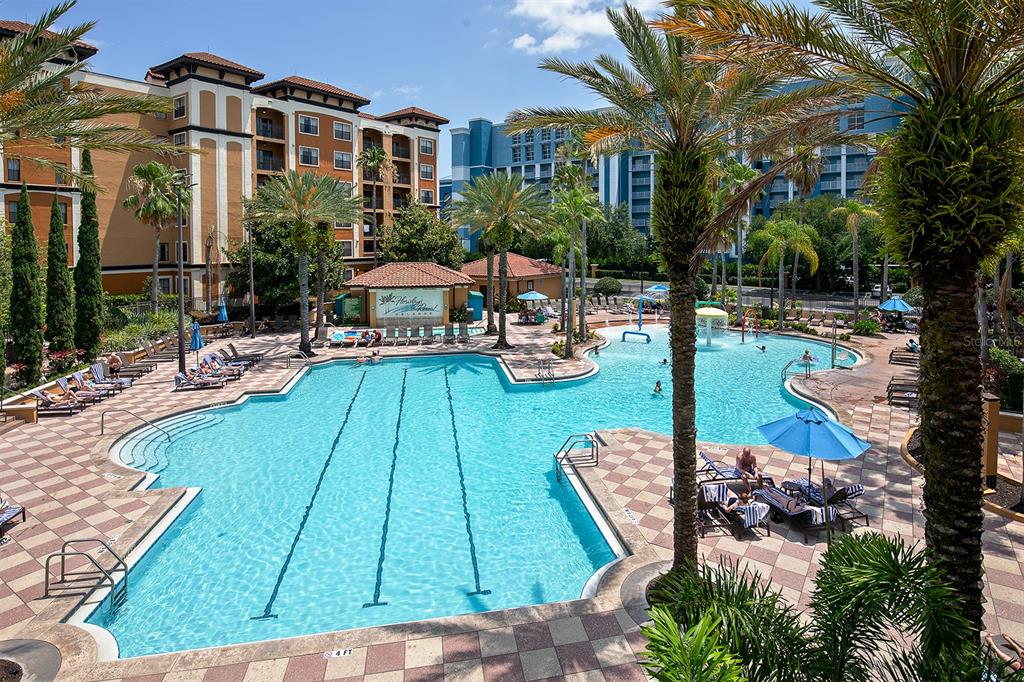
(209, 274)
(181, 182)
(252, 291)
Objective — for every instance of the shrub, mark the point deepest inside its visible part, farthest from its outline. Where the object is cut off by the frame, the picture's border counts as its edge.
(800, 327)
(615, 274)
(133, 334)
(608, 286)
(460, 314)
(88, 272)
(914, 297)
(1009, 376)
(558, 348)
(702, 288)
(866, 328)
(26, 304)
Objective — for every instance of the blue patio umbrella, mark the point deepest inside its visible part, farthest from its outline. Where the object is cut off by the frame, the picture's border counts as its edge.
(532, 296)
(812, 433)
(658, 288)
(896, 305)
(197, 340)
(222, 312)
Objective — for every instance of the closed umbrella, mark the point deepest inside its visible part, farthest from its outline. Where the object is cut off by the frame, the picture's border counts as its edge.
(222, 312)
(896, 305)
(812, 433)
(197, 340)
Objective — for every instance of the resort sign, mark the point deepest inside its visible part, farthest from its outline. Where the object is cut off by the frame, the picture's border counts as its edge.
(409, 303)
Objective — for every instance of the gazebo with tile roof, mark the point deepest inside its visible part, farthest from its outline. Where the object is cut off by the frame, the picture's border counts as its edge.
(524, 274)
(409, 294)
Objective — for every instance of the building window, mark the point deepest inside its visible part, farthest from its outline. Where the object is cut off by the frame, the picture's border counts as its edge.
(515, 138)
(165, 252)
(342, 131)
(338, 223)
(60, 175)
(12, 212)
(855, 121)
(545, 134)
(165, 285)
(426, 171)
(309, 125)
(348, 274)
(369, 246)
(346, 248)
(529, 153)
(309, 156)
(59, 139)
(528, 135)
(427, 196)
(63, 213)
(517, 154)
(426, 146)
(13, 170)
(559, 133)
(529, 285)
(545, 151)
(342, 161)
(179, 139)
(179, 107)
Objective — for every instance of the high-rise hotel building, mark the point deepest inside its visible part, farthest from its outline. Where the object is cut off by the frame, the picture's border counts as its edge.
(245, 129)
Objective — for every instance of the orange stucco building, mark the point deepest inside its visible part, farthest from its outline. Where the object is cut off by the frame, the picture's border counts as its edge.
(246, 129)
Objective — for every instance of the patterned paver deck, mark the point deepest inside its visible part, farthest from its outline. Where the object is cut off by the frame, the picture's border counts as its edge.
(59, 470)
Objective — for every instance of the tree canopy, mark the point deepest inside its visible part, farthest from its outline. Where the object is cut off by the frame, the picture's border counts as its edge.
(419, 235)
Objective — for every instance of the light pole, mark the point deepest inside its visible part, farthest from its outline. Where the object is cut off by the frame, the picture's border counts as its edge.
(209, 275)
(252, 291)
(180, 180)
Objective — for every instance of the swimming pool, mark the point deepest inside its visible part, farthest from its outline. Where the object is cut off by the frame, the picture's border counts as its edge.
(408, 490)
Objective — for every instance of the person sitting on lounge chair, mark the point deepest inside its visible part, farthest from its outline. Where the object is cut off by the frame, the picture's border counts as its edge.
(114, 364)
(366, 337)
(913, 346)
(746, 463)
(59, 398)
(735, 501)
(377, 337)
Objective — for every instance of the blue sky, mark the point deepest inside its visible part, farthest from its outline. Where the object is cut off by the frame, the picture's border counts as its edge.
(459, 58)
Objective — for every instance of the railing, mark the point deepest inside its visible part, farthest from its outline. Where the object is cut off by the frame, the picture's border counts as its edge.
(297, 354)
(545, 370)
(565, 452)
(269, 130)
(403, 179)
(117, 597)
(400, 152)
(368, 202)
(103, 418)
(273, 165)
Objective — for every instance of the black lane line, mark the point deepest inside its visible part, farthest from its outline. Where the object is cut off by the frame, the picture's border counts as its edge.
(387, 509)
(465, 500)
(309, 507)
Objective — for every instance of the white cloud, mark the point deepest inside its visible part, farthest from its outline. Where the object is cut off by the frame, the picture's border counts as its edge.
(567, 24)
(407, 90)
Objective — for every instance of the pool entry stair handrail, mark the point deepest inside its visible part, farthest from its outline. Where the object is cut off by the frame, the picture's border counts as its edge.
(87, 581)
(643, 335)
(545, 370)
(564, 453)
(295, 355)
(103, 416)
(804, 369)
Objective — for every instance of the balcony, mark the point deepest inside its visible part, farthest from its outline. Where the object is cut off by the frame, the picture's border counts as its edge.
(368, 202)
(400, 152)
(641, 167)
(400, 203)
(268, 129)
(269, 164)
(402, 179)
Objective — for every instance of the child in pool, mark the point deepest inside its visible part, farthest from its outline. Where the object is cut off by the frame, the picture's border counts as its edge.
(657, 387)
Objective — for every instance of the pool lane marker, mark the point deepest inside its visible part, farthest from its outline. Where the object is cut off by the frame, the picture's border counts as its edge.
(387, 509)
(267, 610)
(465, 500)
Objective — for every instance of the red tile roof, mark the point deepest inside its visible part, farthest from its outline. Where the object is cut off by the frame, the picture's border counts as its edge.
(519, 267)
(209, 59)
(410, 275)
(315, 86)
(413, 111)
(12, 26)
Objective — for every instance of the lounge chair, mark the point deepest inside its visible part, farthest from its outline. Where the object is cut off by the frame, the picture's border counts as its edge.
(84, 383)
(10, 516)
(245, 364)
(414, 335)
(712, 500)
(157, 355)
(337, 338)
(390, 337)
(720, 471)
(449, 333)
(235, 355)
(428, 335)
(278, 324)
(47, 406)
(184, 382)
(85, 395)
(838, 498)
(550, 312)
(804, 517)
(463, 332)
(219, 369)
(99, 375)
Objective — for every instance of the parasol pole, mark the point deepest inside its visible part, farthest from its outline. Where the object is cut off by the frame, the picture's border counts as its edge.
(824, 497)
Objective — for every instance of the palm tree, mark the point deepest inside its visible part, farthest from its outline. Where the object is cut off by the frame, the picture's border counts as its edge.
(375, 160)
(853, 212)
(879, 611)
(304, 203)
(689, 113)
(42, 102)
(500, 207)
(324, 245)
(779, 238)
(154, 203)
(804, 175)
(736, 175)
(949, 185)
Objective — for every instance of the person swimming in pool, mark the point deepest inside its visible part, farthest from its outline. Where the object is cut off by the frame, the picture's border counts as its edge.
(664, 361)
(657, 387)
(761, 348)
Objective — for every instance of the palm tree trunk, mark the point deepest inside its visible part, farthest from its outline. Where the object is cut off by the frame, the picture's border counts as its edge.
(725, 280)
(565, 289)
(570, 319)
(683, 347)
(154, 285)
(321, 283)
(981, 311)
(373, 219)
(1005, 287)
(951, 429)
(583, 282)
(782, 292)
(885, 278)
(502, 343)
(489, 254)
(739, 267)
(796, 266)
(304, 344)
(714, 275)
(856, 276)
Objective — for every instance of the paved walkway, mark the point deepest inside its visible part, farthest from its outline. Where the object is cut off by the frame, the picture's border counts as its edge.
(58, 469)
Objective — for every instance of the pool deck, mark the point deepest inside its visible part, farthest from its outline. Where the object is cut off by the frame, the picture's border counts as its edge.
(58, 469)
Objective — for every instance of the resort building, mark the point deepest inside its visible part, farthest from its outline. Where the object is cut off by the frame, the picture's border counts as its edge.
(483, 147)
(524, 274)
(245, 129)
(409, 294)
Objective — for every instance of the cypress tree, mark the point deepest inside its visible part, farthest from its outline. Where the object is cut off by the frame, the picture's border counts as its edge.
(88, 272)
(26, 317)
(60, 312)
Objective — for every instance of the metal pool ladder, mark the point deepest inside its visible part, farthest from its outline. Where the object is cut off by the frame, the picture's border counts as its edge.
(564, 453)
(296, 355)
(85, 582)
(545, 370)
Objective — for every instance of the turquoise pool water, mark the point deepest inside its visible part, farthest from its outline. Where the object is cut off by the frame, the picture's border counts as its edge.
(408, 490)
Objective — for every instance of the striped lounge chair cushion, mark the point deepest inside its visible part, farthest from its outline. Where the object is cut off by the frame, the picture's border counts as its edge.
(753, 513)
(9, 513)
(715, 492)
